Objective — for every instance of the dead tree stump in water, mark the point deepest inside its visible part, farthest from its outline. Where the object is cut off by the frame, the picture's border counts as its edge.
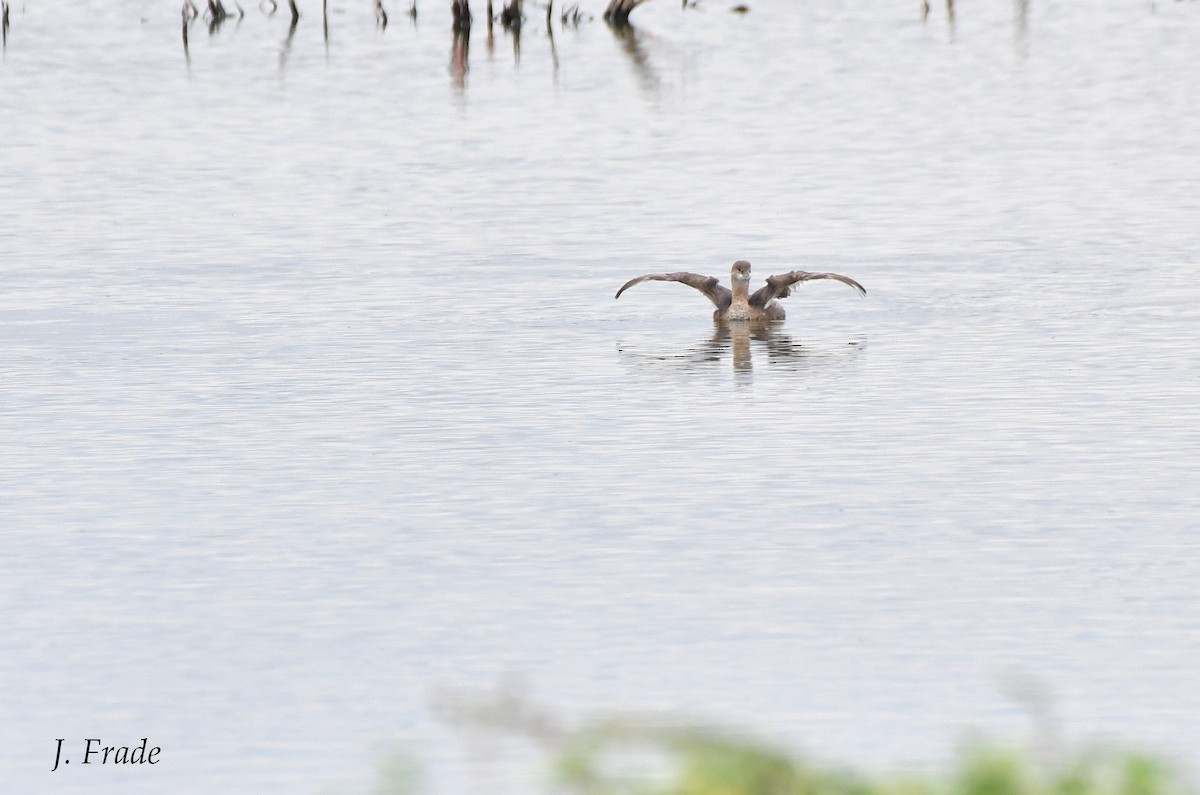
(618, 11)
(511, 16)
(461, 11)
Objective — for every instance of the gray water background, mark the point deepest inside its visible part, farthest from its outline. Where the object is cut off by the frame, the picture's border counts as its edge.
(314, 397)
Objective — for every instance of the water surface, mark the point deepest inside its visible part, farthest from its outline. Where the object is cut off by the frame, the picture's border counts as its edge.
(314, 396)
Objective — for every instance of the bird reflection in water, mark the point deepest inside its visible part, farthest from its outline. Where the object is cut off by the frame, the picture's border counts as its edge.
(741, 342)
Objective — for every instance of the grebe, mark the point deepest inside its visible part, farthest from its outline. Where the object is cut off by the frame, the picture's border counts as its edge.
(740, 303)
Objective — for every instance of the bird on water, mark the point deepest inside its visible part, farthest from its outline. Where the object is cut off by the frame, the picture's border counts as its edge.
(739, 303)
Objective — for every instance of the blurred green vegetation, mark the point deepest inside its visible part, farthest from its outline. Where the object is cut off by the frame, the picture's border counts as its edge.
(398, 774)
(626, 759)
(641, 756)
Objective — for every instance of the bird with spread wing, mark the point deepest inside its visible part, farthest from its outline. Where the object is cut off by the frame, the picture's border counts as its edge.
(739, 303)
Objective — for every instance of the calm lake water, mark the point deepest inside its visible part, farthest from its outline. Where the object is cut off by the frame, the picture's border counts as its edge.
(314, 397)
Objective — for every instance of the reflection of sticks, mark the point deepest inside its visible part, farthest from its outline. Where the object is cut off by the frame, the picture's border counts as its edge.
(262, 6)
(187, 12)
(618, 11)
(4, 22)
(553, 49)
(571, 15)
(380, 15)
(491, 40)
(507, 709)
(459, 54)
(949, 13)
(630, 42)
(515, 28)
(295, 12)
(216, 12)
(287, 42)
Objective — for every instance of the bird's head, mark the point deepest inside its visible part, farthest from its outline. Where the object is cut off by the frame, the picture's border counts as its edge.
(740, 272)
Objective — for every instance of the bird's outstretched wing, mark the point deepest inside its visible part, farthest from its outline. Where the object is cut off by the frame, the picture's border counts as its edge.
(720, 296)
(781, 286)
